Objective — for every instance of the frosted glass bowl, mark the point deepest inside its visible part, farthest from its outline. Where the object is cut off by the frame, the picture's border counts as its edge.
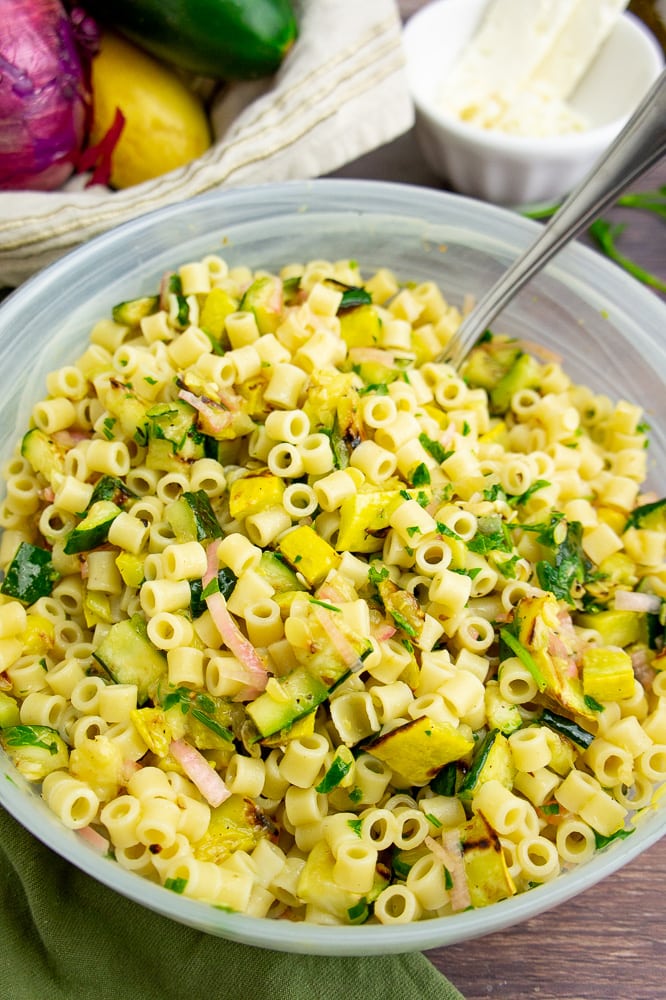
(607, 326)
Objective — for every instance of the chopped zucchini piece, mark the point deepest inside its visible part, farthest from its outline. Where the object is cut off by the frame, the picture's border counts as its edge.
(648, 515)
(309, 554)
(492, 759)
(264, 299)
(419, 749)
(490, 361)
(501, 714)
(129, 657)
(45, 456)
(238, 824)
(281, 576)
(35, 751)
(112, 489)
(173, 437)
(302, 693)
(226, 581)
(608, 674)
(523, 374)
(131, 312)
(30, 575)
(192, 518)
(93, 530)
(568, 728)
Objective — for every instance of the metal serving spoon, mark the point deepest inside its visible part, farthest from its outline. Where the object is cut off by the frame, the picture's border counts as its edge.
(640, 144)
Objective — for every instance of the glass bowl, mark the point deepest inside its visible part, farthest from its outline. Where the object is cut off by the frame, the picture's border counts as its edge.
(608, 328)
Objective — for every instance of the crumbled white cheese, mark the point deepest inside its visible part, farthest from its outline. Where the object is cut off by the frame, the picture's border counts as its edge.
(525, 61)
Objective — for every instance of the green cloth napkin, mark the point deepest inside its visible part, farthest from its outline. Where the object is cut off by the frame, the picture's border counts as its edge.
(67, 937)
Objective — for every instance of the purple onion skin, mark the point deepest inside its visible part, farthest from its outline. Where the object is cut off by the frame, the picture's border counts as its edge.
(44, 96)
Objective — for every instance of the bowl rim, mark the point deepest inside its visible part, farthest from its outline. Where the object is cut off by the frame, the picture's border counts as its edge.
(587, 141)
(327, 195)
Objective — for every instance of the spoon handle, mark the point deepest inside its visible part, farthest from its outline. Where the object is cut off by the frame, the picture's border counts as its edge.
(641, 143)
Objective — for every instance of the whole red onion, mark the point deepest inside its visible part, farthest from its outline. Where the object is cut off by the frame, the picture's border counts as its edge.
(44, 95)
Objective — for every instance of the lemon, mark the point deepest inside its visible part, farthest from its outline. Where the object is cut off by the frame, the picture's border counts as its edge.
(165, 123)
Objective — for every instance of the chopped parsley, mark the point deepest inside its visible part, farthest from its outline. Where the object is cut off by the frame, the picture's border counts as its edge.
(355, 825)
(434, 448)
(323, 604)
(601, 841)
(420, 475)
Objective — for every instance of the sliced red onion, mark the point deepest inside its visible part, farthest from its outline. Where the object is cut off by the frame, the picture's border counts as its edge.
(200, 772)
(44, 95)
(632, 600)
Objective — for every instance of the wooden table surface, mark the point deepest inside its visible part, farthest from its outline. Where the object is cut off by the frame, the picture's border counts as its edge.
(610, 942)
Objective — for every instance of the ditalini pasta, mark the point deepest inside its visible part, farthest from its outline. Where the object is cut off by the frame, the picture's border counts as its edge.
(303, 623)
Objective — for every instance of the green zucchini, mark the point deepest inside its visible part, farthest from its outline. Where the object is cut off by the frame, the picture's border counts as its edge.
(173, 437)
(131, 312)
(192, 518)
(226, 581)
(492, 760)
(113, 489)
(129, 657)
(279, 574)
(567, 727)
(44, 455)
(223, 39)
(648, 515)
(303, 692)
(93, 530)
(30, 575)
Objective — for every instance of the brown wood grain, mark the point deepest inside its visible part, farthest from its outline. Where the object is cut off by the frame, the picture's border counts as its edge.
(609, 943)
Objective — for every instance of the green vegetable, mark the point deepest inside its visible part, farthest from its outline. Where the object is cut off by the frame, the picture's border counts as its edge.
(44, 455)
(226, 581)
(648, 515)
(131, 312)
(606, 233)
(129, 657)
(223, 39)
(93, 530)
(566, 727)
(651, 201)
(113, 489)
(30, 575)
(302, 693)
(192, 518)
(339, 769)
(492, 760)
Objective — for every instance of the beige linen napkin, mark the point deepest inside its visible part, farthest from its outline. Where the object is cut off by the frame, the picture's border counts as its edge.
(340, 93)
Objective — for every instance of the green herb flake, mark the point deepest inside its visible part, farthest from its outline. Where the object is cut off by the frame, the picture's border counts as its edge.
(420, 475)
(592, 703)
(377, 575)
(176, 885)
(356, 794)
(448, 878)
(355, 825)
(403, 624)
(412, 530)
(433, 820)
(434, 448)
(150, 380)
(550, 808)
(602, 841)
(324, 604)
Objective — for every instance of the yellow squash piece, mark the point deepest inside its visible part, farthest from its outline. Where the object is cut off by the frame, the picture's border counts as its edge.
(608, 674)
(317, 885)
(488, 877)
(364, 517)
(309, 554)
(361, 327)
(250, 494)
(165, 123)
(419, 749)
(549, 643)
(217, 305)
(236, 825)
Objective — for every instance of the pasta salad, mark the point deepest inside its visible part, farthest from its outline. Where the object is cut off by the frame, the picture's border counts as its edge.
(298, 621)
